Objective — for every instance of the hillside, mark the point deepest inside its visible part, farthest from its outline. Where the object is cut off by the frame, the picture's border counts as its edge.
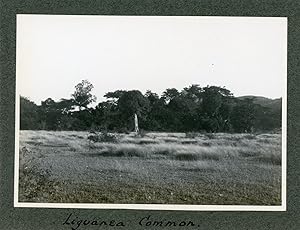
(274, 104)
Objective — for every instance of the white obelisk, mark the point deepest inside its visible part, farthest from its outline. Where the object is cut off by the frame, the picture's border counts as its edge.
(136, 124)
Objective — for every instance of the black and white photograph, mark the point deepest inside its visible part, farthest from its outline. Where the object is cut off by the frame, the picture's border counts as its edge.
(151, 112)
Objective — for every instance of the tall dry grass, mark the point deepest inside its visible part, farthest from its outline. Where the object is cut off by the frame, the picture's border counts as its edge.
(194, 167)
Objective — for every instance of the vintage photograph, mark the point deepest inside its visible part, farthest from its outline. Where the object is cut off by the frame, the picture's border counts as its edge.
(159, 112)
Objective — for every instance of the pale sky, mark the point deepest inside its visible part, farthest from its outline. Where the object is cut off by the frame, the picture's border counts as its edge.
(246, 55)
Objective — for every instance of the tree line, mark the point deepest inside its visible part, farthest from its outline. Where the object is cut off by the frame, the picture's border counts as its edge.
(193, 109)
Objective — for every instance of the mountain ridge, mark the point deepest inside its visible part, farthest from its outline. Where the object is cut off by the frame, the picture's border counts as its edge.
(273, 104)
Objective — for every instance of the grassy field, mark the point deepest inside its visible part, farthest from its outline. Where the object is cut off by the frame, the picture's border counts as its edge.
(174, 168)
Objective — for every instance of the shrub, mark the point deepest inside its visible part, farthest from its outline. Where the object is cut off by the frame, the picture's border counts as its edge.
(108, 137)
(210, 135)
(102, 137)
(249, 136)
(191, 135)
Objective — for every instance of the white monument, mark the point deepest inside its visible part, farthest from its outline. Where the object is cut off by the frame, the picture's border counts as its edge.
(136, 124)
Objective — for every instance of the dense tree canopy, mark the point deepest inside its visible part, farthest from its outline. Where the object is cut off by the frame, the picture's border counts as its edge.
(82, 96)
(28, 114)
(193, 109)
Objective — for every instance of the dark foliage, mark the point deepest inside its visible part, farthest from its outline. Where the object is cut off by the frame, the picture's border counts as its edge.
(194, 109)
(28, 114)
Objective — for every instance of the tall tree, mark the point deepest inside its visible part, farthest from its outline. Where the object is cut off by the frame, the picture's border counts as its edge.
(106, 116)
(170, 94)
(152, 97)
(215, 108)
(132, 102)
(242, 117)
(49, 114)
(115, 95)
(193, 92)
(65, 105)
(82, 96)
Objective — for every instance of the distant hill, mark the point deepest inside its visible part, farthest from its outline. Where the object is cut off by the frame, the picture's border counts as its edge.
(274, 104)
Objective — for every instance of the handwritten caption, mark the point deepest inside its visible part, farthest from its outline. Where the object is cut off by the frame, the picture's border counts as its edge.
(75, 222)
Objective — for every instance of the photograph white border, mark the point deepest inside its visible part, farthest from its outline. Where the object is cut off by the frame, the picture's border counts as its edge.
(178, 207)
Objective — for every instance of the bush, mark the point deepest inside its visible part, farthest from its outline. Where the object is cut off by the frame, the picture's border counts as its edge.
(191, 135)
(209, 135)
(102, 137)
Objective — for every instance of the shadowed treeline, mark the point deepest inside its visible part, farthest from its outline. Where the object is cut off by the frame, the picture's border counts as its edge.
(193, 109)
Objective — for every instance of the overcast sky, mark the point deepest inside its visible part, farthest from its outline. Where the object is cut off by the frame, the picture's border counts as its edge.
(54, 53)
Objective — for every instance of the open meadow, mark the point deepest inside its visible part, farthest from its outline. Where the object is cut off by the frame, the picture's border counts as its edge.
(164, 168)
